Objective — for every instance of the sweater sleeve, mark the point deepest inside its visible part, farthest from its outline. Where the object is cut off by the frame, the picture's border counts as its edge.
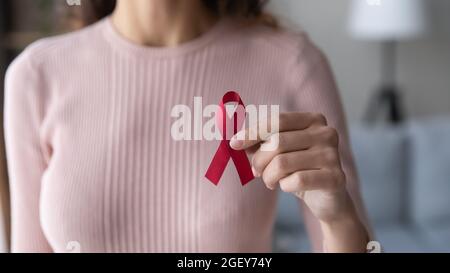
(314, 90)
(26, 164)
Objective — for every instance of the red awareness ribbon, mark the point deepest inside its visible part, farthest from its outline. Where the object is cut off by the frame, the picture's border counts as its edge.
(225, 152)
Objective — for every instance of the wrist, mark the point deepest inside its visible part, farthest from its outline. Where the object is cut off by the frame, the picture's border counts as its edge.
(344, 224)
(348, 235)
(345, 232)
(345, 216)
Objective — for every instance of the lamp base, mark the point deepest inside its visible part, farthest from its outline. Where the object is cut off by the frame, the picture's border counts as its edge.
(386, 100)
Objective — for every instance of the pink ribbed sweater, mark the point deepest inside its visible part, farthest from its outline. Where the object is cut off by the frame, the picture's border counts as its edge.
(90, 154)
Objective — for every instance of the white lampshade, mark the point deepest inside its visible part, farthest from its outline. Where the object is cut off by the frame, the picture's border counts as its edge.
(388, 19)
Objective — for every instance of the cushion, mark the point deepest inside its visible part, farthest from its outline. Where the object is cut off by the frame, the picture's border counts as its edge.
(292, 242)
(438, 238)
(401, 238)
(379, 154)
(430, 171)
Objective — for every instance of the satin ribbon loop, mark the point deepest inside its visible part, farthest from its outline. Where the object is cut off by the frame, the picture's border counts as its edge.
(225, 152)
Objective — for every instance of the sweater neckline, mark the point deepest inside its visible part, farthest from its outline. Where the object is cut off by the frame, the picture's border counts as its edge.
(121, 43)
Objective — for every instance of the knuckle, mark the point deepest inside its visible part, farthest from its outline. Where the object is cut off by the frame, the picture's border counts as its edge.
(331, 136)
(257, 162)
(269, 184)
(338, 178)
(281, 162)
(266, 178)
(320, 118)
(300, 179)
(284, 186)
(330, 156)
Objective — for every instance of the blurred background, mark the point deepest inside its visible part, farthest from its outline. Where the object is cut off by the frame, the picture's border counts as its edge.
(391, 59)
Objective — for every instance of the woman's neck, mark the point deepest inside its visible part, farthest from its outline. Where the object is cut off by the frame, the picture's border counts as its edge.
(161, 23)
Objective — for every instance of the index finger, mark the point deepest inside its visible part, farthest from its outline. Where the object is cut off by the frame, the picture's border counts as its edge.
(265, 128)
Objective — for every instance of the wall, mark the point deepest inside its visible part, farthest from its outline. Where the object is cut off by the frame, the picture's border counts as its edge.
(423, 65)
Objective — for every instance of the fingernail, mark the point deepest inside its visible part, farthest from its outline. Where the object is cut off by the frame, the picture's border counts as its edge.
(236, 143)
(255, 173)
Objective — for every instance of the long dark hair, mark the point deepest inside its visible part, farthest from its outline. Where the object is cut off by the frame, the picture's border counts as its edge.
(250, 10)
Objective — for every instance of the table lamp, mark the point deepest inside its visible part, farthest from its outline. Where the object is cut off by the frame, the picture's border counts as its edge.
(387, 22)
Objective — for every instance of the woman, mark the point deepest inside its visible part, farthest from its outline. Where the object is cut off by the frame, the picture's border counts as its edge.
(92, 161)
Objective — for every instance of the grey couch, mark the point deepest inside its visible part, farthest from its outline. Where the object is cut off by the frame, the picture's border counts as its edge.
(405, 182)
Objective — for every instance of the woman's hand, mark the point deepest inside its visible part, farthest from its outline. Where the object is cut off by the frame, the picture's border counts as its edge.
(305, 161)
